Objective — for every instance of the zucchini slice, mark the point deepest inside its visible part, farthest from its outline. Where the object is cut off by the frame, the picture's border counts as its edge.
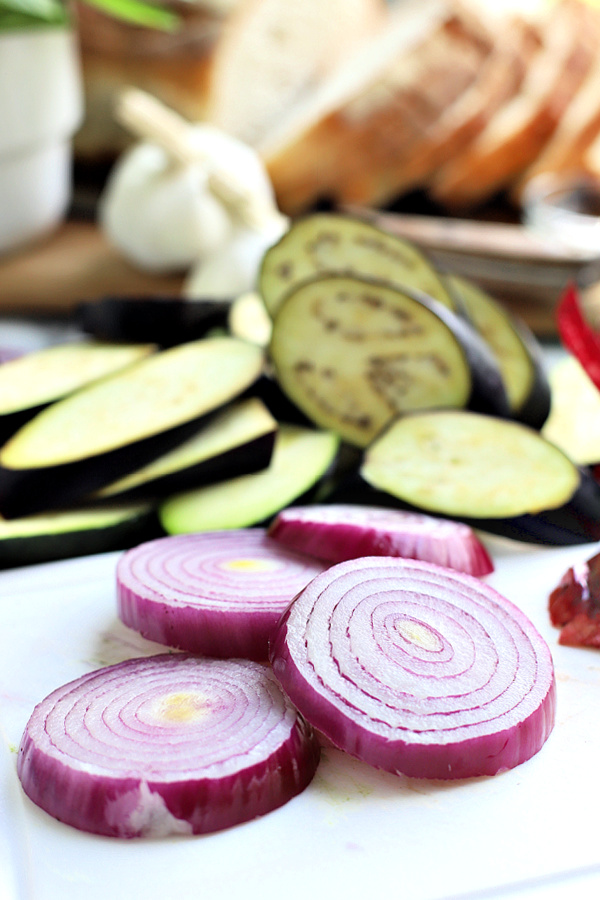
(353, 354)
(515, 348)
(301, 460)
(236, 441)
(34, 380)
(69, 533)
(495, 474)
(110, 428)
(336, 243)
(166, 321)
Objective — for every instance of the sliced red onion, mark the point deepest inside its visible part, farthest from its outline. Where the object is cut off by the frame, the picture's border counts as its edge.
(417, 669)
(169, 744)
(345, 531)
(217, 593)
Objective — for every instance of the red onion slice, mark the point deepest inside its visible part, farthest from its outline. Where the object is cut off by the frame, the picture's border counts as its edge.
(170, 744)
(217, 593)
(344, 531)
(417, 669)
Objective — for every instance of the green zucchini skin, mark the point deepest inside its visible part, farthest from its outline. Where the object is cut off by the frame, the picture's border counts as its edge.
(165, 321)
(54, 542)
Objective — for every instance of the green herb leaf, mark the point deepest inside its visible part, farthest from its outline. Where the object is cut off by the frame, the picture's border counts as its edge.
(28, 13)
(137, 12)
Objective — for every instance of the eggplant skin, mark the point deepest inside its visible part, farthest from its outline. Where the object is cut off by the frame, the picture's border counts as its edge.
(24, 492)
(575, 522)
(52, 545)
(166, 321)
(251, 457)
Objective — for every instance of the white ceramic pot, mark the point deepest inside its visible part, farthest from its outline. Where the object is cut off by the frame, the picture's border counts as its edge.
(41, 107)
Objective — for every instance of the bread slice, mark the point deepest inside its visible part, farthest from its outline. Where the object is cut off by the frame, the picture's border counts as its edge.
(344, 142)
(498, 80)
(520, 130)
(272, 53)
(576, 132)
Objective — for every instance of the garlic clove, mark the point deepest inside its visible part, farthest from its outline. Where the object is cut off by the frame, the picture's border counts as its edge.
(233, 268)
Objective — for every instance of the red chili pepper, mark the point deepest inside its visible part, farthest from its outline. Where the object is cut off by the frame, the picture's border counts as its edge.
(577, 335)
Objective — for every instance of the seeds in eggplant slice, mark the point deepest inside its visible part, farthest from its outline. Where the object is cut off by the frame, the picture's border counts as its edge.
(514, 347)
(120, 423)
(302, 458)
(169, 744)
(330, 242)
(459, 463)
(33, 380)
(214, 593)
(236, 441)
(354, 354)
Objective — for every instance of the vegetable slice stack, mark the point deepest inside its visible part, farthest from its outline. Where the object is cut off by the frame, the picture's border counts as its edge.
(416, 669)
(497, 475)
(337, 532)
(353, 354)
(121, 422)
(169, 744)
(214, 593)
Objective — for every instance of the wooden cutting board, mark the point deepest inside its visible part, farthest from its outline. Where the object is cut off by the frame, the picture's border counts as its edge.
(74, 263)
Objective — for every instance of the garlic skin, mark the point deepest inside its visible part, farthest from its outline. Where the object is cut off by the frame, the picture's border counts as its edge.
(233, 268)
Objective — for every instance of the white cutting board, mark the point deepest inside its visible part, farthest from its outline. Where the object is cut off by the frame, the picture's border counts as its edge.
(355, 832)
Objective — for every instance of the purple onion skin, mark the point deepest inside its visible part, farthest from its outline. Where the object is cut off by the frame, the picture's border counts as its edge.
(206, 806)
(219, 634)
(481, 755)
(108, 805)
(340, 541)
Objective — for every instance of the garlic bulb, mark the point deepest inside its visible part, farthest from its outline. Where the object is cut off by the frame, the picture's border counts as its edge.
(183, 192)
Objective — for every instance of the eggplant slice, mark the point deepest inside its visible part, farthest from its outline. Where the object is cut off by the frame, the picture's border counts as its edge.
(68, 533)
(515, 348)
(334, 243)
(302, 460)
(353, 354)
(102, 432)
(236, 441)
(497, 475)
(32, 381)
(166, 321)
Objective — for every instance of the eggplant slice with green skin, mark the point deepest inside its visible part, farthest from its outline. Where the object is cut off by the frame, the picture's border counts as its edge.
(354, 354)
(494, 474)
(301, 460)
(102, 432)
(324, 243)
(79, 532)
(33, 380)
(515, 348)
(236, 441)
(166, 321)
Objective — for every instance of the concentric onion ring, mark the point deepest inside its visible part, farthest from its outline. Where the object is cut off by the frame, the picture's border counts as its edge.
(214, 593)
(168, 744)
(417, 669)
